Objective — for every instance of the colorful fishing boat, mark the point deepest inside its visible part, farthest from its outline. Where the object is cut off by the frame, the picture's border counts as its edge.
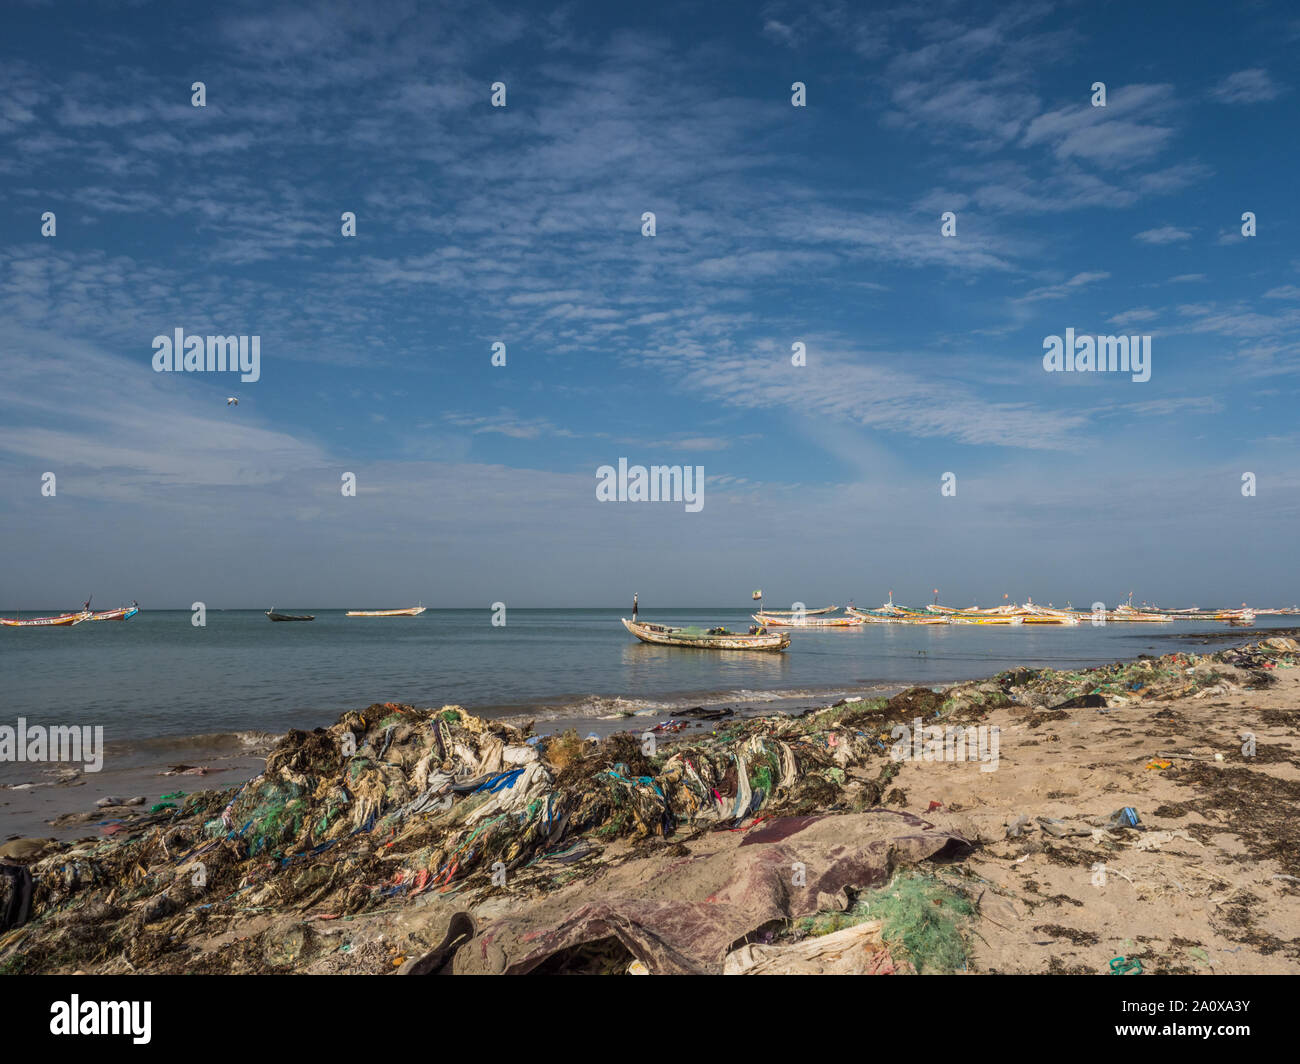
(890, 614)
(410, 611)
(1033, 614)
(62, 620)
(705, 639)
(805, 613)
(122, 613)
(873, 616)
(775, 621)
(1129, 614)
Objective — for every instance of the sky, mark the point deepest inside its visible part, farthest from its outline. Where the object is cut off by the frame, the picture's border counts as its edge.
(919, 442)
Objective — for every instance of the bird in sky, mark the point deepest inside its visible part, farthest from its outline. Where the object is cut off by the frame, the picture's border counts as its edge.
(231, 401)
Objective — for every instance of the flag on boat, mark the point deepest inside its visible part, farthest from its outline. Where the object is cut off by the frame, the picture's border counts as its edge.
(758, 594)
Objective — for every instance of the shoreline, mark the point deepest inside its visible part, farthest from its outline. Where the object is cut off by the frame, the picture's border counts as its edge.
(49, 800)
(1207, 865)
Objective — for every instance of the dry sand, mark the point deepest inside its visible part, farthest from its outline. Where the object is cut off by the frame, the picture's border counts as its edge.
(1216, 870)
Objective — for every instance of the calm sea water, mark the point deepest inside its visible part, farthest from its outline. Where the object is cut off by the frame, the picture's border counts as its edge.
(158, 676)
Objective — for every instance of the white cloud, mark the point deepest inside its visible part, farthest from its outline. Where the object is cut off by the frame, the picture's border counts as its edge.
(1165, 234)
(1247, 86)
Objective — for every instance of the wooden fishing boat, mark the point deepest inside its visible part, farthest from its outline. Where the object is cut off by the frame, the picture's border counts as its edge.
(273, 615)
(805, 613)
(873, 616)
(122, 613)
(410, 611)
(62, 620)
(771, 621)
(1129, 615)
(895, 615)
(957, 617)
(1032, 614)
(701, 639)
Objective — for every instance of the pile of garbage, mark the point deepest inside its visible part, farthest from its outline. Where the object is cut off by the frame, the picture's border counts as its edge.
(394, 802)
(1164, 678)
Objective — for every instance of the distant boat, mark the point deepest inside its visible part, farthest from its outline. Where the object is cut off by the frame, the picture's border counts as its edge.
(890, 614)
(700, 639)
(410, 611)
(289, 616)
(62, 620)
(806, 613)
(122, 613)
(774, 621)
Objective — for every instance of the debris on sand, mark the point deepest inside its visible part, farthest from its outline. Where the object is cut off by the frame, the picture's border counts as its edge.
(394, 807)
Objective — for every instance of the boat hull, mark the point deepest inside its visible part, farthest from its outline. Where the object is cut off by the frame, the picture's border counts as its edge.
(661, 635)
(413, 611)
(123, 613)
(898, 617)
(770, 621)
(62, 620)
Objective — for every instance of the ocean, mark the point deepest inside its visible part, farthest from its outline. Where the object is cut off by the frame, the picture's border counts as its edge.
(157, 675)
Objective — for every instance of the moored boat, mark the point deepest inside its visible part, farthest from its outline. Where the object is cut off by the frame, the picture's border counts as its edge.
(1131, 615)
(775, 621)
(62, 620)
(273, 615)
(805, 613)
(122, 613)
(410, 611)
(705, 639)
(889, 614)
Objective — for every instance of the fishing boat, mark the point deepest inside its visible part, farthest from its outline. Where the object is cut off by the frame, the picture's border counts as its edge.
(1033, 614)
(1133, 615)
(62, 620)
(705, 639)
(780, 621)
(273, 615)
(890, 614)
(805, 613)
(122, 613)
(410, 611)
(873, 616)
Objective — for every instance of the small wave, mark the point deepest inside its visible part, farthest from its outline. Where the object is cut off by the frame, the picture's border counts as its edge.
(235, 743)
(594, 707)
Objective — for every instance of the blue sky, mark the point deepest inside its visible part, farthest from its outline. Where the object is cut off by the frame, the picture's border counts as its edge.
(522, 224)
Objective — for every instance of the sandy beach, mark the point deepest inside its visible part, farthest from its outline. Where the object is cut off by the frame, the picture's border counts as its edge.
(602, 856)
